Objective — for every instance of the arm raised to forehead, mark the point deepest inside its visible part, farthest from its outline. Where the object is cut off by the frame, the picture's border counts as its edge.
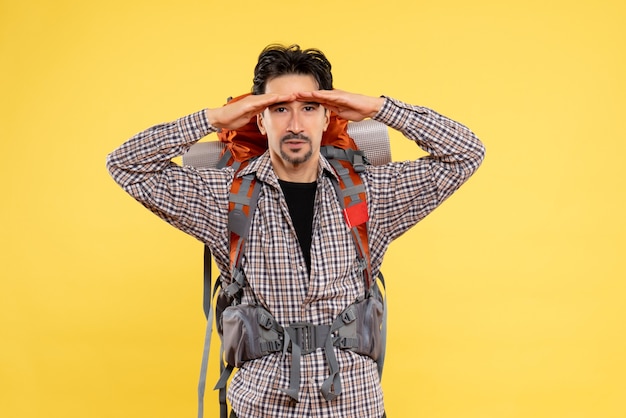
(350, 106)
(237, 114)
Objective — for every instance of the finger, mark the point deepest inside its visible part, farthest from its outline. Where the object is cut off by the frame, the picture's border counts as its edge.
(324, 97)
(262, 101)
(279, 98)
(327, 94)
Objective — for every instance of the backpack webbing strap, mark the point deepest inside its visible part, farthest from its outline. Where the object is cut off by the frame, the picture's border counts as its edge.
(383, 330)
(208, 313)
(225, 370)
(224, 159)
(294, 378)
(356, 157)
(353, 203)
(203, 368)
(331, 388)
(302, 338)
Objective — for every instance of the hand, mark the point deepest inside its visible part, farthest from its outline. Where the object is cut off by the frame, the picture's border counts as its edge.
(237, 114)
(350, 106)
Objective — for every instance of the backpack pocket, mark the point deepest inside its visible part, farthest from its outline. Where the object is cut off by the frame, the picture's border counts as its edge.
(249, 332)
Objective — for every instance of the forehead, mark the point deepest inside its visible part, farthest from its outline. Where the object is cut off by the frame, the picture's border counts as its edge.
(291, 83)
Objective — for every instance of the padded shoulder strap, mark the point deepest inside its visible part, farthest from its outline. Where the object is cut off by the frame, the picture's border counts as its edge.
(243, 201)
(352, 198)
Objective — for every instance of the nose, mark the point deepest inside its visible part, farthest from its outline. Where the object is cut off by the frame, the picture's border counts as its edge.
(295, 125)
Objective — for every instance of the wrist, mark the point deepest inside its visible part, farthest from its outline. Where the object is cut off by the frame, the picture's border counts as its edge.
(377, 104)
(212, 117)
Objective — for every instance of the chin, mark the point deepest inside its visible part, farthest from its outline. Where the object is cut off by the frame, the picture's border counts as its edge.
(296, 159)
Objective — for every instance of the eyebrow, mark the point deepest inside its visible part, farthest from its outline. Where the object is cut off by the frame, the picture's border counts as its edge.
(284, 103)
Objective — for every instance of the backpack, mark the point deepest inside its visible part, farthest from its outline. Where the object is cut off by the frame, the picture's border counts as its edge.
(236, 148)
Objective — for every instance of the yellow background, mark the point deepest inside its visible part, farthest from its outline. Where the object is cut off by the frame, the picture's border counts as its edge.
(507, 302)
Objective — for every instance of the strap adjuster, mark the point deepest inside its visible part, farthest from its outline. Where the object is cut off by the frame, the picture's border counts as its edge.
(347, 342)
(265, 321)
(272, 346)
(238, 282)
(349, 315)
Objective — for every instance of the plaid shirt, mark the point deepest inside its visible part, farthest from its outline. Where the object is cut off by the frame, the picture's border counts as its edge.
(399, 195)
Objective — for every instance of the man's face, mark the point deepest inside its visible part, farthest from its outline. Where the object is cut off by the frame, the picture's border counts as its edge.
(294, 129)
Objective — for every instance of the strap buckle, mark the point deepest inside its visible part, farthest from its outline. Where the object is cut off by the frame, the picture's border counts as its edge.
(305, 335)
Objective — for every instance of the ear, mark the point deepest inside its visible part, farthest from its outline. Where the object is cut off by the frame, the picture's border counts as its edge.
(327, 117)
(259, 123)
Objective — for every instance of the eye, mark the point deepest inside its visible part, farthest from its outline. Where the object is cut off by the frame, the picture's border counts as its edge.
(311, 107)
(279, 109)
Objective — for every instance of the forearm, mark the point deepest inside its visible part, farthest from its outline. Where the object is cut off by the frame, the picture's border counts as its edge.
(403, 193)
(189, 199)
(152, 150)
(450, 145)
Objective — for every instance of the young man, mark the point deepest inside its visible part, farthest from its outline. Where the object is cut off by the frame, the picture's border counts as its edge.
(300, 261)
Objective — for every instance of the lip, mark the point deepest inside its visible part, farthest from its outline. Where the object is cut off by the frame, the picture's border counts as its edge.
(301, 137)
(295, 146)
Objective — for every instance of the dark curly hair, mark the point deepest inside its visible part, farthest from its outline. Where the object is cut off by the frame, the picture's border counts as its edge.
(277, 60)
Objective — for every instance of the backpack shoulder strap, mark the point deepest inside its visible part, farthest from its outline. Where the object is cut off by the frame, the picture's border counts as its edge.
(352, 198)
(244, 195)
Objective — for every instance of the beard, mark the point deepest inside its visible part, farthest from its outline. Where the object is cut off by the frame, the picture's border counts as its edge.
(296, 159)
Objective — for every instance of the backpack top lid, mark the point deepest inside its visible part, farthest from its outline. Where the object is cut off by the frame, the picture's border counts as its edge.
(248, 142)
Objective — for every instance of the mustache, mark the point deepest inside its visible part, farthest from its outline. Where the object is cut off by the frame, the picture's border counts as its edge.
(295, 136)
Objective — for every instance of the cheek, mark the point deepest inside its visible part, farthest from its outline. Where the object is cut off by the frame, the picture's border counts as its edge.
(272, 132)
(273, 139)
(271, 124)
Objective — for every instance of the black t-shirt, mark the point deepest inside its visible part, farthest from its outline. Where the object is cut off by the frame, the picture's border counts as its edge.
(300, 199)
